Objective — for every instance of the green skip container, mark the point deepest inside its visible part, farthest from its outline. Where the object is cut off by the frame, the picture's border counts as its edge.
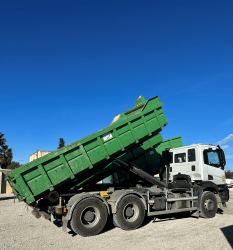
(147, 156)
(88, 155)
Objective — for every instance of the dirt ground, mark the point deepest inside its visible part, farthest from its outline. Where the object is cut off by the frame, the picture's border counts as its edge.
(19, 229)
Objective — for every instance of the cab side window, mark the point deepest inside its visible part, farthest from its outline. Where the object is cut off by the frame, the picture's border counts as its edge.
(180, 157)
(191, 155)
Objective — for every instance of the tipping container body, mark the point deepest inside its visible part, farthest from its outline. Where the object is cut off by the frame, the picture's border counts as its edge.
(66, 165)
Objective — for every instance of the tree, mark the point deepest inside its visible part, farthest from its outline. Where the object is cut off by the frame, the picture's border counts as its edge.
(229, 174)
(61, 143)
(14, 165)
(6, 154)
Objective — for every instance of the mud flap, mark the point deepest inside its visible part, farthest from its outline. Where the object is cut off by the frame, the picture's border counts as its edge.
(224, 194)
(64, 224)
(219, 201)
(224, 204)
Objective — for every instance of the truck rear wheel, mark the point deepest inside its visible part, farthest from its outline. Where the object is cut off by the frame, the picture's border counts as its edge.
(89, 217)
(130, 213)
(208, 205)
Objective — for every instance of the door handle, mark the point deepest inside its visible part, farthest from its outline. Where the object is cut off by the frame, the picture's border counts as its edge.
(193, 167)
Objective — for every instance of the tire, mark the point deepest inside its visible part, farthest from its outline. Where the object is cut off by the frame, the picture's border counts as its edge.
(130, 213)
(209, 205)
(89, 217)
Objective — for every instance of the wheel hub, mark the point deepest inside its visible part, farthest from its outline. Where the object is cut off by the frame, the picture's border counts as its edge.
(89, 216)
(129, 212)
(209, 205)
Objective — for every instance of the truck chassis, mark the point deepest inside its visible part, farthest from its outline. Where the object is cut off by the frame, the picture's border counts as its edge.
(86, 212)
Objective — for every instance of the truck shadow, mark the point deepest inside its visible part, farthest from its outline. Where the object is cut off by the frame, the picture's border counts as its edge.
(228, 233)
(6, 198)
(175, 216)
(57, 223)
(165, 217)
(108, 227)
(220, 211)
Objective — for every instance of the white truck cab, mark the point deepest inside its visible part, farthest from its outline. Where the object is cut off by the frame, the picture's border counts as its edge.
(202, 162)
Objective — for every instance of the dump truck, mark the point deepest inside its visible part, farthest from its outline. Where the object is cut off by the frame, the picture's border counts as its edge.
(64, 183)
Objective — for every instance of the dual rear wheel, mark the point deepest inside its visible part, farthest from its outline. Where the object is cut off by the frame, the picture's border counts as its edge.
(130, 213)
(90, 215)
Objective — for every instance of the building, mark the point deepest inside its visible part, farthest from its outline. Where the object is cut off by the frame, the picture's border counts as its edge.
(4, 185)
(38, 154)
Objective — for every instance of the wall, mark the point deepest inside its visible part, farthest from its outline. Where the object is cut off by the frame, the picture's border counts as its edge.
(5, 188)
(38, 154)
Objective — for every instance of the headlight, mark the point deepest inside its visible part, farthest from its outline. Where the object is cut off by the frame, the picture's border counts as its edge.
(223, 178)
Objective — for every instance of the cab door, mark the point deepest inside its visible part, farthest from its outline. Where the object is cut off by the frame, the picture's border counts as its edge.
(212, 164)
(186, 161)
(178, 162)
(192, 165)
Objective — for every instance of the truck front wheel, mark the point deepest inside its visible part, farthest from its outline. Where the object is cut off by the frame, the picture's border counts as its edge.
(208, 206)
(89, 217)
(130, 213)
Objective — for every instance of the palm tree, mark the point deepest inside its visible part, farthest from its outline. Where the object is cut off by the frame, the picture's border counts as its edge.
(6, 154)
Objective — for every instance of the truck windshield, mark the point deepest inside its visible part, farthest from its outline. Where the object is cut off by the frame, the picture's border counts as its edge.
(211, 158)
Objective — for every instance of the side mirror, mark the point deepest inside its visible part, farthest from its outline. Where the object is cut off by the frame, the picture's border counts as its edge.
(223, 159)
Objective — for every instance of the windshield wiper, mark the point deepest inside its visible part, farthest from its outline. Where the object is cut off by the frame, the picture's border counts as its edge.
(215, 164)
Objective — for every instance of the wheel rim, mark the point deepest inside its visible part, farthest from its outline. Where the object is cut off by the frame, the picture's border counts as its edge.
(90, 216)
(131, 212)
(209, 205)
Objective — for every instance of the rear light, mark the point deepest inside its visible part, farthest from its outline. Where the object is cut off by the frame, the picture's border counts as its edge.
(58, 210)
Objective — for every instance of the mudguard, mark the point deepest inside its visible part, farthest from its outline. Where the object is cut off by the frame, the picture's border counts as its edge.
(222, 190)
(224, 193)
(208, 185)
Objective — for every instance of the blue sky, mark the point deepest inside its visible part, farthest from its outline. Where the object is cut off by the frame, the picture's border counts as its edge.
(68, 67)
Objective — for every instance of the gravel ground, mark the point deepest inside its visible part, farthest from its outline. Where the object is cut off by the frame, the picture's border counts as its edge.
(20, 230)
